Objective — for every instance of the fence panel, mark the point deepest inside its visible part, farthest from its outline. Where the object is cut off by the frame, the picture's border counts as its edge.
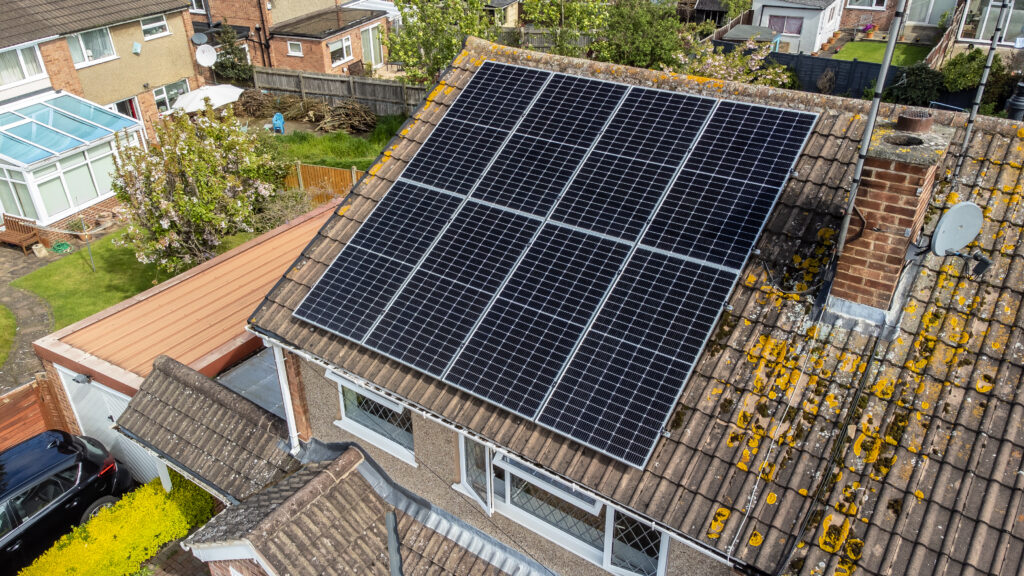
(384, 97)
(322, 183)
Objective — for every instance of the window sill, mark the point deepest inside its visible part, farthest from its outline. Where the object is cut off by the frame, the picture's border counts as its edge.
(542, 528)
(294, 55)
(192, 11)
(380, 441)
(342, 62)
(155, 36)
(868, 8)
(95, 62)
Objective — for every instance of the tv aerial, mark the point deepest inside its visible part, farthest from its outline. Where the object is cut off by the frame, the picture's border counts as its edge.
(957, 228)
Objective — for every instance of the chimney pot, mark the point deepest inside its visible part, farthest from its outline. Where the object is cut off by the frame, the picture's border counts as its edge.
(914, 121)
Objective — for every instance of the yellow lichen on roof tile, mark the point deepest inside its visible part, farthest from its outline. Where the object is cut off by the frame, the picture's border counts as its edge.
(718, 523)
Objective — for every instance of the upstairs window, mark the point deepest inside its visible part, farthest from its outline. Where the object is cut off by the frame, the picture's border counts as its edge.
(871, 4)
(92, 46)
(20, 64)
(375, 419)
(154, 27)
(197, 6)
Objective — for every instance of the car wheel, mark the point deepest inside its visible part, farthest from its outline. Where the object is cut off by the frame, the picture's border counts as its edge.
(105, 502)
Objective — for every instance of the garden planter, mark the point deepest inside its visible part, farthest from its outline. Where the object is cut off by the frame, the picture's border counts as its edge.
(836, 35)
(870, 34)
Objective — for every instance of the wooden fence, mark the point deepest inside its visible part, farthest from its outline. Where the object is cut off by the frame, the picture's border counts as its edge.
(384, 97)
(22, 415)
(323, 183)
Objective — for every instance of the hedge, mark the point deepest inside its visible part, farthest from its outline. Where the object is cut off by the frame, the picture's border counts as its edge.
(119, 539)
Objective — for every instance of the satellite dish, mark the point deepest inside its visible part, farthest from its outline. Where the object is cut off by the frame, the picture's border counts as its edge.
(957, 228)
(199, 39)
(206, 55)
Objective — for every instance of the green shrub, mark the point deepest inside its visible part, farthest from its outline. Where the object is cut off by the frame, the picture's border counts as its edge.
(920, 86)
(119, 539)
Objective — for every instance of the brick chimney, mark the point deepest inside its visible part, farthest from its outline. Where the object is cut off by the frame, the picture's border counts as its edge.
(895, 189)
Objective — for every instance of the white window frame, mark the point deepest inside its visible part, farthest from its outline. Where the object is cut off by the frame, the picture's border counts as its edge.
(362, 432)
(162, 22)
(88, 62)
(163, 88)
(876, 5)
(291, 44)
(502, 505)
(21, 62)
(197, 6)
(346, 45)
(380, 37)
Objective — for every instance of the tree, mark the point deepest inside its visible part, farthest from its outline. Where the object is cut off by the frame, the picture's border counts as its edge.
(433, 32)
(748, 64)
(919, 86)
(736, 7)
(232, 62)
(566, 21)
(204, 179)
(641, 33)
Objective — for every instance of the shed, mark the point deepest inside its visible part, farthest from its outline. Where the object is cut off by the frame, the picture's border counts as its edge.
(197, 317)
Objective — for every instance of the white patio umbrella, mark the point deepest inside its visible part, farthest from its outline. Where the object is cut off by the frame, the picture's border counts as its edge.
(219, 95)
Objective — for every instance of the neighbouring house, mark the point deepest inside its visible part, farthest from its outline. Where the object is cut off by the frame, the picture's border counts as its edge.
(505, 13)
(336, 40)
(57, 159)
(329, 506)
(804, 25)
(703, 10)
(94, 367)
(132, 57)
(867, 423)
(212, 38)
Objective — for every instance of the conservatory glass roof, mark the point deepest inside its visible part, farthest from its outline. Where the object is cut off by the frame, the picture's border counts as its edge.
(36, 129)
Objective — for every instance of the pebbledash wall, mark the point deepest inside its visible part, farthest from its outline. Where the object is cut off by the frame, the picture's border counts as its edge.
(437, 471)
(162, 60)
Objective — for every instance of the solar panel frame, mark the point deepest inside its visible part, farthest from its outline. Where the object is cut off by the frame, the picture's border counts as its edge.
(505, 141)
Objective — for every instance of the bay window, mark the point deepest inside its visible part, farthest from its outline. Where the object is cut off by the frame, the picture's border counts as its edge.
(569, 517)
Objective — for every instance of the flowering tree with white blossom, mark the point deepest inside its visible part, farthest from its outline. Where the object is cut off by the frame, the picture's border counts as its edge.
(748, 63)
(204, 179)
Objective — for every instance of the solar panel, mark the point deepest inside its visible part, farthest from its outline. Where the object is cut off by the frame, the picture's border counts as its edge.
(562, 247)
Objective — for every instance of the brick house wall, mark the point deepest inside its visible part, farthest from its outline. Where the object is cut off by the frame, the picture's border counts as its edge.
(249, 13)
(242, 567)
(856, 18)
(89, 215)
(59, 66)
(316, 56)
(57, 409)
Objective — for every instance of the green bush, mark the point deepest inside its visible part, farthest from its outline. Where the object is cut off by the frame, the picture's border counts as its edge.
(920, 86)
(119, 539)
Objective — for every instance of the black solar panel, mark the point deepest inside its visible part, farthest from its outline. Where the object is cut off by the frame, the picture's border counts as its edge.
(572, 250)
(530, 174)
(498, 95)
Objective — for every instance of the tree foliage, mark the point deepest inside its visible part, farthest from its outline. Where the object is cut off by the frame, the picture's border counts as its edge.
(919, 86)
(748, 64)
(566, 20)
(203, 180)
(736, 7)
(232, 62)
(641, 33)
(433, 32)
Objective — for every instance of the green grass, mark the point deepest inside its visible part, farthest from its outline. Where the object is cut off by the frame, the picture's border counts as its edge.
(904, 55)
(74, 291)
(339, 149)
(7, 328)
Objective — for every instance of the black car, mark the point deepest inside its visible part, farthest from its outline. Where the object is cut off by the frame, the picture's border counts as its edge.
(48, 484)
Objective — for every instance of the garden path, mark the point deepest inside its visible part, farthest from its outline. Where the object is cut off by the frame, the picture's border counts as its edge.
(33, 316)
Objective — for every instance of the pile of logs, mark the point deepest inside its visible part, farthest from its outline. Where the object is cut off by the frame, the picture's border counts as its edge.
(349, 115)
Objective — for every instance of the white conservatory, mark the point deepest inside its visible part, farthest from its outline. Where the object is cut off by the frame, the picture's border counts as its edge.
(57, 155)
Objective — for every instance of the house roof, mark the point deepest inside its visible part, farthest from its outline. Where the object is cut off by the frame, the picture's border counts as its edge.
(791, 448)
(333, 514)
(197, 317)
(326, 23)
(501, 3)
(209, 432)
(27, 20)
(819, 4)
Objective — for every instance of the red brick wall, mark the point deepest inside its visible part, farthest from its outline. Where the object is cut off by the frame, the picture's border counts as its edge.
(243, 567)
(854, 18)
(315, 57)
(893, 197)
(56, 404)
(89, 215)
(60, 67)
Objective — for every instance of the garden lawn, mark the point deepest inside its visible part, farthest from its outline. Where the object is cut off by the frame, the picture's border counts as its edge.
(7, 329)
(340, 149)
(904, 55)
(74, 291)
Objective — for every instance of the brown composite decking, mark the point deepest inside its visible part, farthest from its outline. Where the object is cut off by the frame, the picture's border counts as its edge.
(21, 415)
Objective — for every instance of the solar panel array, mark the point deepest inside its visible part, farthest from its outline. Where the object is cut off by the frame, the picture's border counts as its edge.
(562, 247)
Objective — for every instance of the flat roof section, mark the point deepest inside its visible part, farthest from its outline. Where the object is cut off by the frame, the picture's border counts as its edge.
(198, 317)
(326, 23)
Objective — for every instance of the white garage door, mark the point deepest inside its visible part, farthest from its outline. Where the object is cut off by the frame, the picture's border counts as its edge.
(97, 408)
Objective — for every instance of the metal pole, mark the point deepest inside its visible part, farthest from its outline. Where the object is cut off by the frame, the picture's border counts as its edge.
(1003, 12)
(88, 244)
(865, 141)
